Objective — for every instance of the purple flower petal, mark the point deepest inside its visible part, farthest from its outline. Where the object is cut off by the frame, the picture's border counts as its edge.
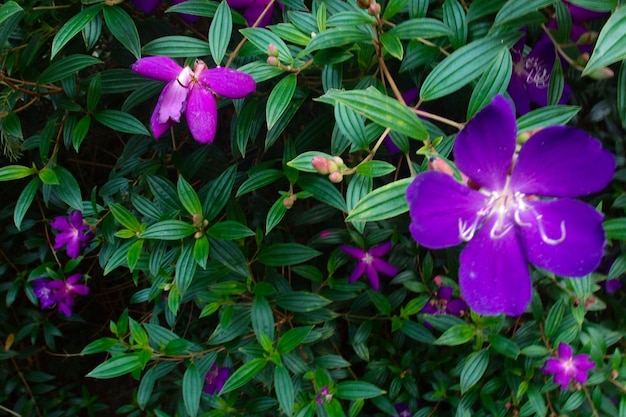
(158, 129)
(146, 6)
(563, 236)
(76, 219)
(202, 114)
(437, 203)
(384, 267)
(228, 82)
(254, 11)
(456, 307)
(171, 103)
(518, 93)
(565, 351)
(372, 276)
(356, 273)
(356, 253)
(561, 161)
(239, 4)
(159, 68)
(73, 247)
(493, 274)
(483, 149)
(61, 223)
(445, 293)
(380, 250)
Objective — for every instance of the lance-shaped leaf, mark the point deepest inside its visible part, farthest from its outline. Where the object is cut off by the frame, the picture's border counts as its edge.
(354, 390)
(177, 47)
(168, 230)
(279, 99)
(262, 38)
(24, 201)
(546, 116)
(116, 366)
(335, 37)
(244, 374)
(121, 121)
(192, 389)
(220, 31)
(123, 28)
(494, 81)
(464, 65)
(514, 9)
(382, 203)
(380, 109)
(611, 44)
(282, 254)
(67, 66)
(73, 26)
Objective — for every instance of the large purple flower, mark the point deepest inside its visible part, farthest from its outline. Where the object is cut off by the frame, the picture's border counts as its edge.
(191, 91)
(73, 233)
(370, 263)
(215, 379)
(523, 211)
(567, 367)
(149, 6)
(252, 11)
(58, 292)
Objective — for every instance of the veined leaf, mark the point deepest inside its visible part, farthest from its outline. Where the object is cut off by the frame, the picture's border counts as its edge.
(73, 26)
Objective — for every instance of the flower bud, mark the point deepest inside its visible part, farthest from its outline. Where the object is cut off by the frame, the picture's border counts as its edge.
(289, 201)
(587, 38)
(272, 50)
(273, 61)
(374, 9)
(364, 4)
(438, 164)
(198, 235)
(602, 73)
(335, 177)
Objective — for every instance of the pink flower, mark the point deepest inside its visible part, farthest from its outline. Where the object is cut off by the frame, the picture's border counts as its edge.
(567, 366)
(74, 233)
(192, 92)
(370, 263)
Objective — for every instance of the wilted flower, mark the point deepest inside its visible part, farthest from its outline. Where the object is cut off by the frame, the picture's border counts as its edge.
(73, 233)
(443, 303)
(215, 379)
(567, 367)
(523, 212)
(370, 263)
(191, 91)
(58, 292)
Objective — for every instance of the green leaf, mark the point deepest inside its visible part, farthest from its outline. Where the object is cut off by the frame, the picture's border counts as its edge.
(8, 9)
(177, 47)
(229, 230)
(15, 172)
(125, 217)
(220, 31)
(68, 188)
(185, 269)
(546, 116)
(382, 203)
(123, 28)
(201, 251)
(284, 388)
(283, 254)
(355, 390)
(514, 9)
(24, 201)
(275, 214)
(121, 122)
(323, 190)
(262, 318)
(454, 17)
(146, 386)
(279, 99)
(48, 176)
(290, 33)
(301, 301)
(134, 252)
(380, 109)
(168, 230)
(292, 338)
(258, 180)
(615, 228)
(557, 83)
(554, 318)
(494, 81)
(80, 131)
(66, 66)
(394, 7)
(424, 28)
(473, 369)
(73, 26)
(457, 335)
(229, 255)
(116, 366)
(351, 125)
(464, 65)
(392, 45)
(338, 36)
(99, 345)
(303, 163)
(192, 389)
(219, 193)
(621, 93)
(611, 44)
(375, 168)
(504, 346)
(188, 197)
(244, 374)
(262, 38)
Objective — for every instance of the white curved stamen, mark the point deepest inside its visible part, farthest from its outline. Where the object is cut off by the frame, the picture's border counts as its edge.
(545, 237)
(467, 233)
(498, 232)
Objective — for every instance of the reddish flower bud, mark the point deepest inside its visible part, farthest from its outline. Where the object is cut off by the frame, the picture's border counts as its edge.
(374, 9)
(335, 177)
(272, 50)
(273, 61)
(320, 164)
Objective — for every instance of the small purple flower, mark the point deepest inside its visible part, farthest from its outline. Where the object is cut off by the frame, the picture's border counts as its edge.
(323, 396)
(612, 285)
(523, 212)
(567, 367)
(370, 263)
(215, 379)
(402, 410)
(531, 75)
(191, 91)
(74, 233)
(443, 303)
(582, 15)
(58, 292)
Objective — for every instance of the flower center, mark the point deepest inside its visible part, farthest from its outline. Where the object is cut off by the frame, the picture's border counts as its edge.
(367, 258)
(536, 72)
(507, 206)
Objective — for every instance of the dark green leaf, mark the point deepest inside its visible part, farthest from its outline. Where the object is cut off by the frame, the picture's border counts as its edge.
(123, 28)
(262, 38)
(229, 230)
(424, 28)
(220, 31)
(292, 338)
(355, 390)
(301, 301)
(494, 81)
(546, 116)
(262, 318)
(282, 254)
(514, 9)
(192, 389)
(457, 335)
(168, 230)
(24, 201)
(474, 369)
(15, 172)
(73, 26)
(177, 47)
(382, 203)
(68, 188)
(66, 66)
(188, 197)
(284, 388)
(185, 269)
(121, 122)
(279, 99)
(116, 366)
(244, 374)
